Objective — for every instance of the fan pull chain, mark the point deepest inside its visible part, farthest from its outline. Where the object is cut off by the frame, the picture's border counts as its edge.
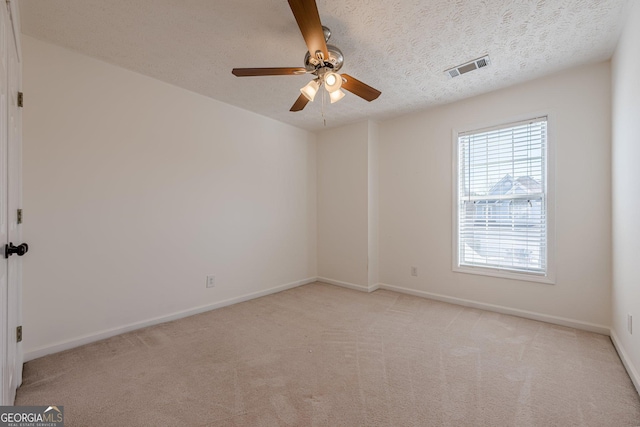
(324, 119)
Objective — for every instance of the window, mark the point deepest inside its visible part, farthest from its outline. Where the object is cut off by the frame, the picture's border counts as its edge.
(502, 201)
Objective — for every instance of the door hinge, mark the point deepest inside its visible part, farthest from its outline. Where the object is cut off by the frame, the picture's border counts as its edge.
(20, 99)
(19, 334)
(19, 216)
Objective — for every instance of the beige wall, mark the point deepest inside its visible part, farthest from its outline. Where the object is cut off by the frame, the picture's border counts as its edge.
(343, 204)
(348, 205)
(416, 211)
(626, 192)
(135, 191)
(373, 192)
(154, 187)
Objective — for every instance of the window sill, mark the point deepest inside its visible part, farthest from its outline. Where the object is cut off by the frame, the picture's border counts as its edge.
(503, 274)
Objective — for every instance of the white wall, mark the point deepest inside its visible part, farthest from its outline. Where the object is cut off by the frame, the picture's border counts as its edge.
(416, 196)
(135, 190)
(348, 205)
(343, 204)
(626, 192)
(373, 196)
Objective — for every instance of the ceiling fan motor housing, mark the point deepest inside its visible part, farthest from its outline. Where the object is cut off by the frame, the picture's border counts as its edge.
(334, 62)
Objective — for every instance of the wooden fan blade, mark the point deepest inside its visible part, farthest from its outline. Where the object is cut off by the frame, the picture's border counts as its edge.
(308, 19)
(300, 103)
(277, 71)
(356, 87)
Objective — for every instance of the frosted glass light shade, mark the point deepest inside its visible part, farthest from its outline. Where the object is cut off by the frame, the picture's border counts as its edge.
(310, 89)
(336, 95)
(333, 82)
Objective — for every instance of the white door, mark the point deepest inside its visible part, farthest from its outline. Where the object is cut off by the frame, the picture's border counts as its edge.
(4, 209)
(10, 200)
(14, 202)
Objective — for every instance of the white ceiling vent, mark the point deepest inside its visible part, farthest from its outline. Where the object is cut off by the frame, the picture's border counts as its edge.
(469, 66)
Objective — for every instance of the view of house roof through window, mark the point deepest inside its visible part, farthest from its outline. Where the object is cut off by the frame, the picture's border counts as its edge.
(502, 213)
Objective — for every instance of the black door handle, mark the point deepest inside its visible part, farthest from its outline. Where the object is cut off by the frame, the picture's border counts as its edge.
(19, 250)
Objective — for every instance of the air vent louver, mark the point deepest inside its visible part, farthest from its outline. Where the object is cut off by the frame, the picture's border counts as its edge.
(469, 66)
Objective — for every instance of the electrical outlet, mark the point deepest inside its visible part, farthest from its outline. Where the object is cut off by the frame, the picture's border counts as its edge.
(630, 323)
(211, 281)
(414, 271)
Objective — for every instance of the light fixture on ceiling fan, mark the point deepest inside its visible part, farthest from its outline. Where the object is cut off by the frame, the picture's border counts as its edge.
(324, 63)
(332, 83)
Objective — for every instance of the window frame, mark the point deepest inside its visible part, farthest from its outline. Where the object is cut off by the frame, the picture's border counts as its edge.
(549, 277)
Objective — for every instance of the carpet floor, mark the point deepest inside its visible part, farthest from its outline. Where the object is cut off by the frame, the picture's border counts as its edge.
(320, 355)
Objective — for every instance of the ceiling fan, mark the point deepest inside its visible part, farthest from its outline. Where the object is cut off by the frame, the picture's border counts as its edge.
(322, 60)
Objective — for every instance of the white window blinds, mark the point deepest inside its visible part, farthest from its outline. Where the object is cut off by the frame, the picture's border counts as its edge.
(502, 213)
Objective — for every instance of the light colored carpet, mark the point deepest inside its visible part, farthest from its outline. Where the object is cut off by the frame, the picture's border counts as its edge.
(320, 355)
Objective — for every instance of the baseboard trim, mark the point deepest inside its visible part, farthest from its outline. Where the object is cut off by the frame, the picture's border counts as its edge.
(89, 338)
(626, 361)
(348, 285)
(562, 321)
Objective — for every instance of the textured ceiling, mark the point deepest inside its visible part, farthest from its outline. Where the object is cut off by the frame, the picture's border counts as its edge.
(400, 47)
